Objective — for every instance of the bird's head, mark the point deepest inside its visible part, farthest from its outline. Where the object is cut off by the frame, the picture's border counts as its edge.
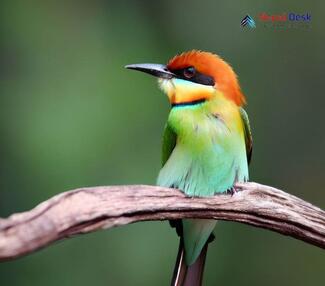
(195, 76)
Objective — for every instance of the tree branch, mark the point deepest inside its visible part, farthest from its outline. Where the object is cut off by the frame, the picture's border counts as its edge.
(88, 209)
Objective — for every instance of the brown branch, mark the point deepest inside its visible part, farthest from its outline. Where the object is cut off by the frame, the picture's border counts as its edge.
(89, 209)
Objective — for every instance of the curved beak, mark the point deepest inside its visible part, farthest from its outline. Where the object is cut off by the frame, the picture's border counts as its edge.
(157, 70)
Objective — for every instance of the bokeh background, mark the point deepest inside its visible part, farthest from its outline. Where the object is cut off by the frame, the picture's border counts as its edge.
(72, 116)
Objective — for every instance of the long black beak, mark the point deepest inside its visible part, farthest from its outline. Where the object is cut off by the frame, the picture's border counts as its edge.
(157, 70)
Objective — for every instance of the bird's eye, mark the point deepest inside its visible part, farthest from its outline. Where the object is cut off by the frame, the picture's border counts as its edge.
(189, 72)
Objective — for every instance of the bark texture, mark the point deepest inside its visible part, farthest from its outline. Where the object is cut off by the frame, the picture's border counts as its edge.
(89, 209)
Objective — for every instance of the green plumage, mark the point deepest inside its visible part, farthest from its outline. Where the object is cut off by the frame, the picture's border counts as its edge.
(206, 148)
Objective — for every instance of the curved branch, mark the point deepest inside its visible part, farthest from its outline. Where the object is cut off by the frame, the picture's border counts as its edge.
(88, 209)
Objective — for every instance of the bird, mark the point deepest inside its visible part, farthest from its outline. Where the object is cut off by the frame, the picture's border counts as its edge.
(207, 144)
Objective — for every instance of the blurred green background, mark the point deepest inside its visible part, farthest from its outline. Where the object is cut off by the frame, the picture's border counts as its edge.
(72, 116)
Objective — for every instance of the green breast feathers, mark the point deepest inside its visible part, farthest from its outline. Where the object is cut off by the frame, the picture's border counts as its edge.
(205, 152)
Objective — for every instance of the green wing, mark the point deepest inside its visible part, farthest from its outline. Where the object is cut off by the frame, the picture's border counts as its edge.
(248, 134)
(169, 143)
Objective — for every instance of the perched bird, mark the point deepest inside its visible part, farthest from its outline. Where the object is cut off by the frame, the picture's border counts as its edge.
(207, 144)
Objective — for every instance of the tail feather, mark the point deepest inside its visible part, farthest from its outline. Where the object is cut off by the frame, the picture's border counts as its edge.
(188, 275)
(196, 233)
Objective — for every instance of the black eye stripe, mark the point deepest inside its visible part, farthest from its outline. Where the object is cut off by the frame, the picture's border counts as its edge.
(197, 77)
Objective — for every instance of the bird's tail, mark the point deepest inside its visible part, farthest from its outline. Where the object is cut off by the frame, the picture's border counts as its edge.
(189, 275)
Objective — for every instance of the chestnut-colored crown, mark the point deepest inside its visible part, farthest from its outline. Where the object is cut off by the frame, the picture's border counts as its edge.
(211, 65)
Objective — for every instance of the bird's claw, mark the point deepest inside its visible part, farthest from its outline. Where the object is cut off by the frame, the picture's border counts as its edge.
(232, 191)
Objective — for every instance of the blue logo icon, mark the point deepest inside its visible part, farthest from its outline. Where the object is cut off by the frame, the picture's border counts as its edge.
(248, 21)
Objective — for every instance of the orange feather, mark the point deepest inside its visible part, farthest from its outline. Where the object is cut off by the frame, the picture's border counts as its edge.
(211, 65)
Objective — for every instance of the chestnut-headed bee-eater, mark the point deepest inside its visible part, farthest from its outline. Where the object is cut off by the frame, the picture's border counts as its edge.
(207, 144)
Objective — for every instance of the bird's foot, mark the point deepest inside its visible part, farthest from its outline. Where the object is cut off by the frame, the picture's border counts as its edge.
(233, 190)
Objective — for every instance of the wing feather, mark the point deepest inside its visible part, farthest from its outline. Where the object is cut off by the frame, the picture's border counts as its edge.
(247, 133)
(169, 143)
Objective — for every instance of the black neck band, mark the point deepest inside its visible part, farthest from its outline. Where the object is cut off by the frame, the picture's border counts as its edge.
(189, 103)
